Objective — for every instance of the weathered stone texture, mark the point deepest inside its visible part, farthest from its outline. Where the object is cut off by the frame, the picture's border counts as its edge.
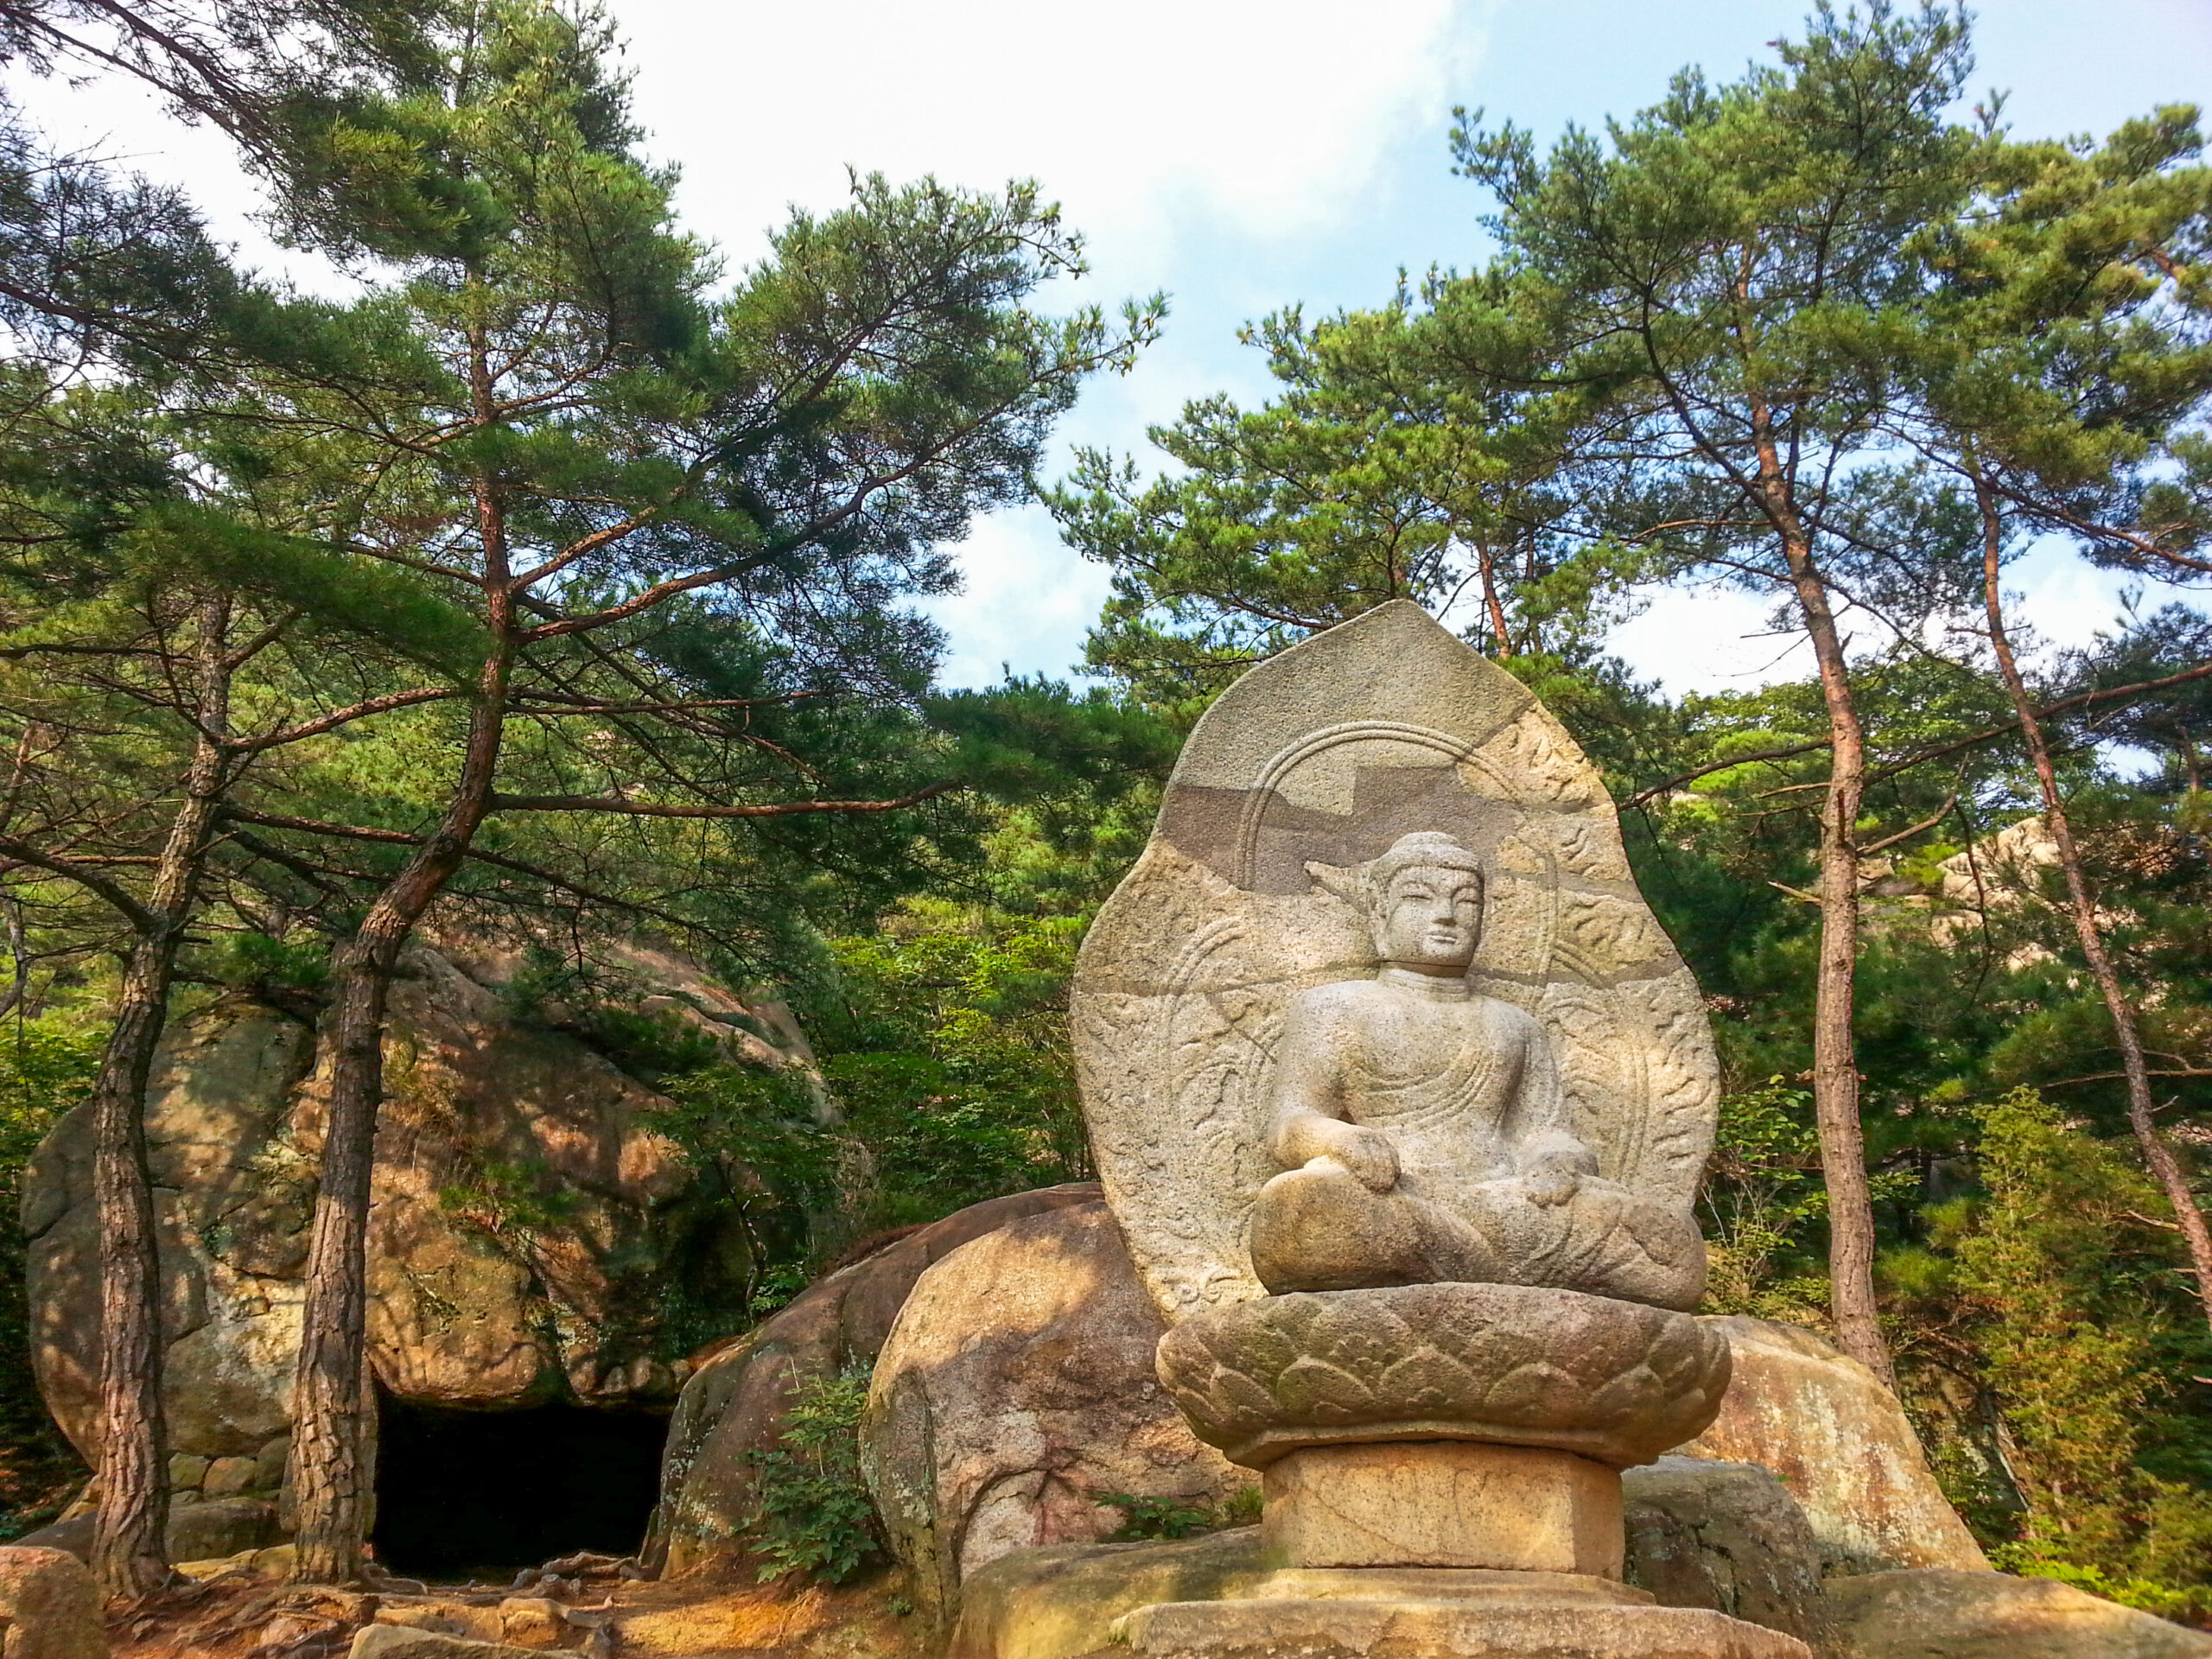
(485, 1114)
(734, 1404)
(1539, 1627)
(50, 1606)
(1614, 1381)
(1840, 1443)
(1325, 757)
(199, 1531)
(1014, 1391)
(1942, 1613)
(1727, 1537)
(1443, 1504)
(1062, 1599)
(398, 1642)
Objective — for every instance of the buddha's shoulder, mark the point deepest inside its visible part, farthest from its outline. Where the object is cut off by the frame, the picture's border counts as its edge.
(1510, 1017)
(1349, 998)
(1338, 999)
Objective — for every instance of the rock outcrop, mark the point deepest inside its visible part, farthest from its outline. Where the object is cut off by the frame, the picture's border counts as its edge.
(50, 1606)
(734, 1404)
(1841, 1444)
(1727, 1537)
(1939, 1613)
(1015, 1391)
(1059, 1601)
(530, 1223)
(1014, 1386)
(1011, 1344)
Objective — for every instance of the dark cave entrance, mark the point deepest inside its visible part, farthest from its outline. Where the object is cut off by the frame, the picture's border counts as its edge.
(475, 1494)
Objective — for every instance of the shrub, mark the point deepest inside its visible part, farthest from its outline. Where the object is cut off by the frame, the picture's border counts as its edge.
(812, 1515)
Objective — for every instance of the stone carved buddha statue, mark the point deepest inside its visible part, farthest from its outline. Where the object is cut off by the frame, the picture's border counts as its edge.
(1422, 1129)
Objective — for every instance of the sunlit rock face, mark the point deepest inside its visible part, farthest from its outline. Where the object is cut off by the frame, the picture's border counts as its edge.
(530, 1233)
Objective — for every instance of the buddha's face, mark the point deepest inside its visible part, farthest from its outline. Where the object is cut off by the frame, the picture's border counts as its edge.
(1431, 920)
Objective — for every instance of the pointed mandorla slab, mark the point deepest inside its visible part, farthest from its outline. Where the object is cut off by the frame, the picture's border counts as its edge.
(1328, 753)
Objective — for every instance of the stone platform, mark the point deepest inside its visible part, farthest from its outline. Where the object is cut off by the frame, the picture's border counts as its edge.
(1441, 1467)
(1217, 1597)
(1528, 1623)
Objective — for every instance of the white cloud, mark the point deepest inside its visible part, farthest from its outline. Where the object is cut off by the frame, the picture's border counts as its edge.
(1708, 640)
(1028, 600)
(1258, 116)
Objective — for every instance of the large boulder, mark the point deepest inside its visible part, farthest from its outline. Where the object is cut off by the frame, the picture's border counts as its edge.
(50, 1606)
(734, 1406)
(1059, 1601)
(1726, 1536)
(1016, 1391)
(1841, 1444)
(528, 1221)
(1685, 1545)
(1942, 1613)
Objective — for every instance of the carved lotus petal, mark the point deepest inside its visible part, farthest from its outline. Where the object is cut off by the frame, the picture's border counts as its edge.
(1327, 1392)
(1519, 1364)
(1533, 1391)
(1431, 1385)
(1627, 1395)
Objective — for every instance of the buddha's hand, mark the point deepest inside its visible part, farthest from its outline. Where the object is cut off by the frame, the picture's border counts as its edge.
(1553, 1168)
(1554, 1184)
(1367, 1153)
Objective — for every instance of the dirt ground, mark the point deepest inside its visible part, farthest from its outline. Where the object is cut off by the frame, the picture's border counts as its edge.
(238, 1616)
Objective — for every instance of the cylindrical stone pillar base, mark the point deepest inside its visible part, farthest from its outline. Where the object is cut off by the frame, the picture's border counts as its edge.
(1444, 1504)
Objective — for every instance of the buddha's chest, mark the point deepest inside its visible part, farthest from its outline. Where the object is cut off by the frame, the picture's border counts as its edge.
(1431, 1063)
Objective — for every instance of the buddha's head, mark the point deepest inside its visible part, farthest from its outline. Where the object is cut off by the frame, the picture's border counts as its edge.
(1425, 904)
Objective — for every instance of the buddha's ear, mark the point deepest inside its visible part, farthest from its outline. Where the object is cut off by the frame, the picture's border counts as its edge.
(1349, 885)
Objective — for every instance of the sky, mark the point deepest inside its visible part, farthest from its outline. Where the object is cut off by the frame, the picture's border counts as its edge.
(1242, 156)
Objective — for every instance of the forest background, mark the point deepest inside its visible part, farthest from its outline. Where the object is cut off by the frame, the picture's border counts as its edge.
(563, 580)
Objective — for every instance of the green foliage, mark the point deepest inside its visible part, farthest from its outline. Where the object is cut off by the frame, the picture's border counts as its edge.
(812, 1515)
(2074, 1292)
(2191, 1606)
(1762, 1195)
(949, 1052)
(504, 1198)
(1148, 1518)
(769, 1200)
(270, 968)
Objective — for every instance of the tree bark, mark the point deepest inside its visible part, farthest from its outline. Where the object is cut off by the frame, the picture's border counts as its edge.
(1835, 1059)
(2165, 1168)
(329, 1468)
(1852, 1304)
(129, 1552)
(1492, 603)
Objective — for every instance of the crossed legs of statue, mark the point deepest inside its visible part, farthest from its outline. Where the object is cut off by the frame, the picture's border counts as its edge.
(1319, 1228)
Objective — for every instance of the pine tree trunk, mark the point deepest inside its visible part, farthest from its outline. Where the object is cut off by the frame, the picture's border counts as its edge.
(330, 1476)
(2165, 1168)
(1852, 1302)
(1492, 603)
(129, 1544)
(330, 1483)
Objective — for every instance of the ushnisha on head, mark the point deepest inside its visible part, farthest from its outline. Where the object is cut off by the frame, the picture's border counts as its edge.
(1423, 899)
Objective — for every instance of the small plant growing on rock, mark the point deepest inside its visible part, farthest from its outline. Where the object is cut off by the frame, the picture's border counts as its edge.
(812, 1514)
(1156, 1518)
